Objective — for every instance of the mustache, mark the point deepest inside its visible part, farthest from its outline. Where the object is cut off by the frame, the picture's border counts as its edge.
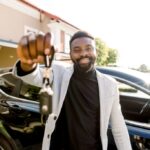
(83, 57)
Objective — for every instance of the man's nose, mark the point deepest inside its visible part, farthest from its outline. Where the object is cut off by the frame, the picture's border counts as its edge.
(83, 52)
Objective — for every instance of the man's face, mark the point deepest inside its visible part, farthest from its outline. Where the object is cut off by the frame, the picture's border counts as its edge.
(83, 53)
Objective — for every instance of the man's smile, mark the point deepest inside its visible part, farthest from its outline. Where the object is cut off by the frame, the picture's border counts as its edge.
(84, 61)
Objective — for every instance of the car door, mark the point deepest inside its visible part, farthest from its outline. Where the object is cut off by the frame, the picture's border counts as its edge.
(135, 104)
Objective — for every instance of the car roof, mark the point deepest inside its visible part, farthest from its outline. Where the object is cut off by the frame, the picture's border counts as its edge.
(134, 76)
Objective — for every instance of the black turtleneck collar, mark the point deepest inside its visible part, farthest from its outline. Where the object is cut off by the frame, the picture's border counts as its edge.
(81, 74)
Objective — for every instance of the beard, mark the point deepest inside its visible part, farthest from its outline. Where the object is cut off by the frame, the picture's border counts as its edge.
(84, 67)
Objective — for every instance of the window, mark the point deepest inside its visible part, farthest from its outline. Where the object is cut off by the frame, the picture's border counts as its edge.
(28, 30)
(66, 44)
(129, 90)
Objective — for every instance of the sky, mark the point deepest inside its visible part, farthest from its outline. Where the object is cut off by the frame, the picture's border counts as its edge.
(121, 24)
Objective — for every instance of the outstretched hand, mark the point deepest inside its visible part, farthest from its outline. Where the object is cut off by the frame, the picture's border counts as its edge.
(32, 48)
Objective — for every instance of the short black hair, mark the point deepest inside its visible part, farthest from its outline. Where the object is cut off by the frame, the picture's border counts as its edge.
(80, 34)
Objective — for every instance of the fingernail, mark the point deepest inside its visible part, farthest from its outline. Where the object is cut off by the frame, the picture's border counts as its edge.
(29, 61)
(47, 51)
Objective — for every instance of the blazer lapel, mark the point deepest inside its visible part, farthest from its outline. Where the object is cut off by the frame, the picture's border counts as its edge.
(102, 91)
(65, 83)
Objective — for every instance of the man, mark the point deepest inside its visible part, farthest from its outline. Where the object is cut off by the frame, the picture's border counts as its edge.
(84, 101)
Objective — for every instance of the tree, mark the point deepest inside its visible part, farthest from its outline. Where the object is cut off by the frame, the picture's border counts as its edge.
(105, 55)
(112, 56)
(143, 68)
(102, 52)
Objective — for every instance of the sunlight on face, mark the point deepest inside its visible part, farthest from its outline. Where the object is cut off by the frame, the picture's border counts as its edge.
(83, 53)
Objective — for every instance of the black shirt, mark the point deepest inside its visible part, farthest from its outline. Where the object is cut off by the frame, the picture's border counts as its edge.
(77, 127)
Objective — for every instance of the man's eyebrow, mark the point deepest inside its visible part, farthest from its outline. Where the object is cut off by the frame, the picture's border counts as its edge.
(89, 45)
(76, 47)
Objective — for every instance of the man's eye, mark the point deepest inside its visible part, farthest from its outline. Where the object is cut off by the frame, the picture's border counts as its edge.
(77, 50)
(89, 48)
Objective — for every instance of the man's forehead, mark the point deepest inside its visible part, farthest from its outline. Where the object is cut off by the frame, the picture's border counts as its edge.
(83, 41)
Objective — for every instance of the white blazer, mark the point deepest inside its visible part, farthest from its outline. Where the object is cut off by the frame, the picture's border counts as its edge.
(110, 110)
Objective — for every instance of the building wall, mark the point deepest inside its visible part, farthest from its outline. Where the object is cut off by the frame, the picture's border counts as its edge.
(14, 22)
(17, 17)
(8, 56)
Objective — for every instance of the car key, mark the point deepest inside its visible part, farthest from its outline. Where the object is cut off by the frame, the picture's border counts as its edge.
(46, 93)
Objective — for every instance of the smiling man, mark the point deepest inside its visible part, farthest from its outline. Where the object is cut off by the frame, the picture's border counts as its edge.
(83, 52)
(84, 101)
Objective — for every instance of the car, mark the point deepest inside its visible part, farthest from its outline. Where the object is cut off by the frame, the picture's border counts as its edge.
(6, 69)
(134, 90)
(22, 125)
(134, 87)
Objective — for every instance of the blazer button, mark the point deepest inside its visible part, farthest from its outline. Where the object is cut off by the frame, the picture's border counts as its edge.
(55, 117)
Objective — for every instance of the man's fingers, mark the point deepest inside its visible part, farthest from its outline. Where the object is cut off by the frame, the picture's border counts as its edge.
(23, 50)
(40, 44)
(40, 47)
(47, 43)
(32, 49)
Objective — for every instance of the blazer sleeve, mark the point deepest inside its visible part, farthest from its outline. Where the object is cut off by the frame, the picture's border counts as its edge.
(34, 78)
(119, 128)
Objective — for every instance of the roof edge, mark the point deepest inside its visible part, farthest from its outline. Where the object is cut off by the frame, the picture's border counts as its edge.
(51, 16)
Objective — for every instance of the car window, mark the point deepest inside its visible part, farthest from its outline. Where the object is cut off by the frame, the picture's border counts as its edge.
(126, 89)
